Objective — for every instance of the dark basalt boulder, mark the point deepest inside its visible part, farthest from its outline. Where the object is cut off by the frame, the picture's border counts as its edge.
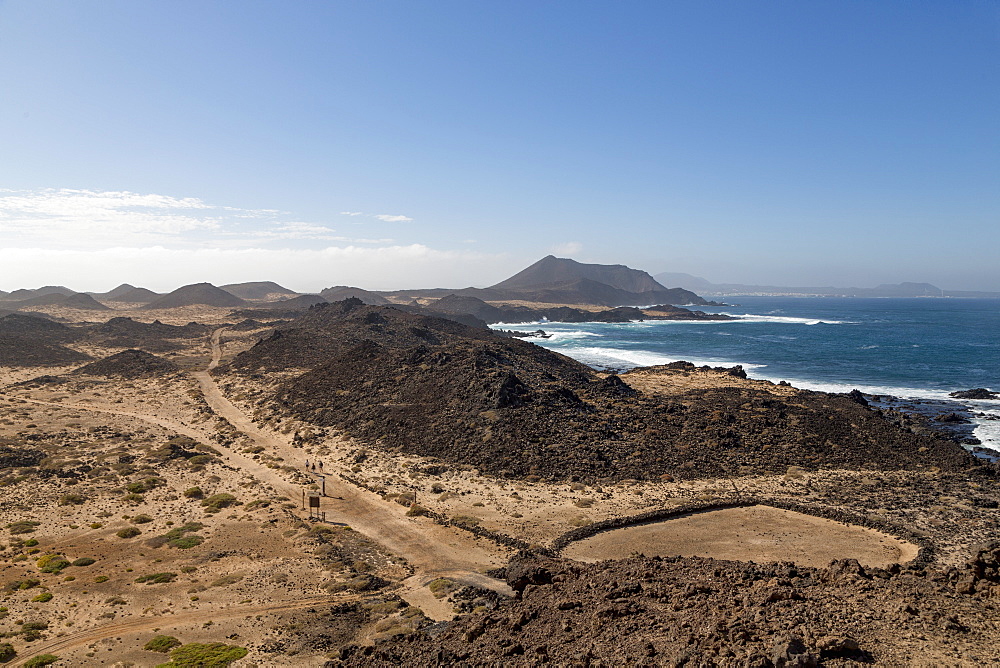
(976, 393)
(954, 418)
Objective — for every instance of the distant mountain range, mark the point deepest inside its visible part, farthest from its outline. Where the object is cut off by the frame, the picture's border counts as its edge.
(705, 287)
(554, 280)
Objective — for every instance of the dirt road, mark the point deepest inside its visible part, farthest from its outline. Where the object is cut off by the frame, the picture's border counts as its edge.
(431, 549)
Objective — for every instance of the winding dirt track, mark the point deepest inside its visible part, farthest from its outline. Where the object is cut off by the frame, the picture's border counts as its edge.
(431, 549)
(81, 638)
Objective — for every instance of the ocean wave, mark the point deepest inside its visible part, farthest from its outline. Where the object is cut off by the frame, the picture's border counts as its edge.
(601, 356)
(556, 335)
(753, 317)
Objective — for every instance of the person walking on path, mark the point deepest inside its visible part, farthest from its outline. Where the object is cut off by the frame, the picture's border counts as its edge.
(321, 465)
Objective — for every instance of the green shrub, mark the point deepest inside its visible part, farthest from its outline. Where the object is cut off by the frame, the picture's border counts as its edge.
(227, 580)
(176, 538)
(193, 493)
(141, 519)
(156, 578)
(25, 526)
(101, 578)
(465, 520)
(83, 561)
(128, 532)
(31, 542)
(33, 630)
(44, 597)
(210, 655)
(217, 502)
(21, 585)
(441, 587)
(186, 542)
(41, 660)
(52, 563)
(200, 460)
(71, 500)
(6, 652)
(162, 644)
(134, 498)
(416, 511)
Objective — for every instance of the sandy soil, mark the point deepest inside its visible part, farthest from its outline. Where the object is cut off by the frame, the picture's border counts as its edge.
(754, 533)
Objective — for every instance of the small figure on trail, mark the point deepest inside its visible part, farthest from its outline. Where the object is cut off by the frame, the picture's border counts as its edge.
(321, 465)
(314, 467)
(307, 463)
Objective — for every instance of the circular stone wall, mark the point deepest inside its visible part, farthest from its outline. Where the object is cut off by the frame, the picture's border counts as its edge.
(753, 533)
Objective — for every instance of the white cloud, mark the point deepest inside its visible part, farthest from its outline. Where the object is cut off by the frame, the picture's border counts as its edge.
(393, 219)
(307, 270)
(567, 249)
(67, 218)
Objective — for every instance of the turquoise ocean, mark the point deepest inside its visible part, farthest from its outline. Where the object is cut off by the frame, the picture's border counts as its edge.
(913, 349)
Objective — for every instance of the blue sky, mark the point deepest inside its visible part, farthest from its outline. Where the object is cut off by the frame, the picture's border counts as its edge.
(406, 144)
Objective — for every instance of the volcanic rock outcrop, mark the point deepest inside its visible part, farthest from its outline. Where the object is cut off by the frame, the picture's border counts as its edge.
(129, 364)
(703, 612)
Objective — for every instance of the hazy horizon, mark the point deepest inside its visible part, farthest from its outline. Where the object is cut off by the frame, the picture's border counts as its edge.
(394, 145)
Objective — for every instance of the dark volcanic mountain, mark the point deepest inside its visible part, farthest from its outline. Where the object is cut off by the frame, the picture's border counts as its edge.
(565, 281)
(129, 364)
(341, 292)
(136, 296)
(551, 270)
(259, 291)
(21, 294)
(438, 388)
(196, 294)
(78, 300)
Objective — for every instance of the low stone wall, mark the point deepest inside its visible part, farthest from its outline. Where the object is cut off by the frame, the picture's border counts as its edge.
(925, 554)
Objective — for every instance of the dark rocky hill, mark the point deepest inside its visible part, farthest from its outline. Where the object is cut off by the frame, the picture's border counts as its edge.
(114, 293)
(125, 293)
(196, 294)
(512, 408)
(301, 302)
(32, 326)
(465, 395)
(259, 291)
(703, 612)
(29, 351)
(327, 330)
(78, 300)
(136, 296)
(83, 301)
(18, 295)
(130, 364)
(157, 336)
(341, 292)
